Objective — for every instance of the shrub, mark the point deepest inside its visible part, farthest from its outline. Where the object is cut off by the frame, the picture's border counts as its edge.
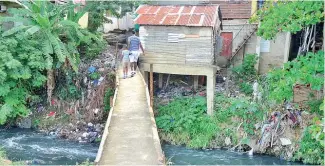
(21, 71)
(91, 48)
(246, 73)
(246, 88)
(107, 99)
(185, 118)
(66, 86)
(311, 146)
(249, 113)
(303, 70)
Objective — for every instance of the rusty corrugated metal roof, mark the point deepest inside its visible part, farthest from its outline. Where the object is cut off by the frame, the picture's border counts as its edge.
(233, 9)
(185, 15)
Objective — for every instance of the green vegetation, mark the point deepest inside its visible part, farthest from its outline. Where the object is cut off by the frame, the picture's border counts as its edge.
(288, 16)
(22, 71)
(44, 49)
(311, 147)
(86, 163)
(97, 9)
(92, 48)
(4, 160)
(184, 120)
(107, 99)
(246, 73)
(305, 70)
(94, 75)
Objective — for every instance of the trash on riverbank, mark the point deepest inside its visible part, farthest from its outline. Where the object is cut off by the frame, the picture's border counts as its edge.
(68, 118)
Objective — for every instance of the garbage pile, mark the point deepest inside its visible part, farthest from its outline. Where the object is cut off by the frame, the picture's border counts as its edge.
(277, 133)
(86, 113)
(183, 87)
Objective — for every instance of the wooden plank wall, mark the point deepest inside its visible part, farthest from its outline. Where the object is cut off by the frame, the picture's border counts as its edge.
(193, 46)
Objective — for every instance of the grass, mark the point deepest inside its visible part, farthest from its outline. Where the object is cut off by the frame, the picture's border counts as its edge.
(184, 121)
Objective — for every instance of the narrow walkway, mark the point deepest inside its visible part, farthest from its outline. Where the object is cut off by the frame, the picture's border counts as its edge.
(130, 137)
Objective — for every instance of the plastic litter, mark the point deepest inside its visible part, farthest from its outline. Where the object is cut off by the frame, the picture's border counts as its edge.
(91, 69)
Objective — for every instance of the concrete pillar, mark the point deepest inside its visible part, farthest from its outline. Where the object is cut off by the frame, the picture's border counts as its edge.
(145, 77)
(196, 82)
(160, 80)
(211, 83)
(287, 47)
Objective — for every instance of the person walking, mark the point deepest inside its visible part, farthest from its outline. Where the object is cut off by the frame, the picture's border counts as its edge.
(125, 56)
(134, 44)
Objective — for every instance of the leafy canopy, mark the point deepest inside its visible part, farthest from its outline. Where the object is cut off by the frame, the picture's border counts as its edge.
(44, 40)
(21, 72)
(287, 16)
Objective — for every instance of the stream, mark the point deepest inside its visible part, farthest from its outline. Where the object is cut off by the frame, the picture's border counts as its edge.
(180, 155)
(29, 145)
(42, 149)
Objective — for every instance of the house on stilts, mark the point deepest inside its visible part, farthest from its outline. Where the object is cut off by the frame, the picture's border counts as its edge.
(181, 39)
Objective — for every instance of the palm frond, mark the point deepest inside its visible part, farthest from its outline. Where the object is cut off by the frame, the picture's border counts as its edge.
(69, 23)
(32, 30)
(19, 11)
(15, 19)
(14, 30)
(47, 47)
(57, 49)
(73, 62)
(43, 21)
(48, 61)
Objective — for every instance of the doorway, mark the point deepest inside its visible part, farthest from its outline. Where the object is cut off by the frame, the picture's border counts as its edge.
(226, 44)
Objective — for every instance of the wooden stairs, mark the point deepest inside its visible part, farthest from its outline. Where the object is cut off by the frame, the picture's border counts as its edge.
(243, 42)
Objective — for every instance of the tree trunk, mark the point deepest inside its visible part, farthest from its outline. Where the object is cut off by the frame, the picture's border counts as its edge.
(50, 85)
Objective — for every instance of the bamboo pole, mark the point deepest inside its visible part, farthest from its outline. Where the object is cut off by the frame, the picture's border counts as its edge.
(314, 39)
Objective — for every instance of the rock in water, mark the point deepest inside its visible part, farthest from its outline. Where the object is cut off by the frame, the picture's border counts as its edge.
(25, 123)
(285, 141)
(250, 153)
(85, 135)
(227, 141)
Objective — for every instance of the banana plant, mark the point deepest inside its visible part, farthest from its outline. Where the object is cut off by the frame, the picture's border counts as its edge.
(45, 21)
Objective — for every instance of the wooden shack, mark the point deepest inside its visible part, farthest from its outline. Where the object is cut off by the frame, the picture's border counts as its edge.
(180, 40)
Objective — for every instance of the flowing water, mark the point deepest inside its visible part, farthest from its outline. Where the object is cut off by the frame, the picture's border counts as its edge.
(28, 145)
(180, 155)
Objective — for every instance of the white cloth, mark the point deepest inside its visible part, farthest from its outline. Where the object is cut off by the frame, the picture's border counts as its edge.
(134, 56)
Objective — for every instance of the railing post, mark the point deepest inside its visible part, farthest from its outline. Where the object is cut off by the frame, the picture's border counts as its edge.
(151, 85)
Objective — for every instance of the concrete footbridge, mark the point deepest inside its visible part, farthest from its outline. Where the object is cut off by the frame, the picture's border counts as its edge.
(130, 136)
